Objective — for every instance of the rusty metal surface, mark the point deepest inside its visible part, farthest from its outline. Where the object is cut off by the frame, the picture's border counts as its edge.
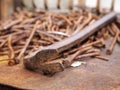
(95, 75)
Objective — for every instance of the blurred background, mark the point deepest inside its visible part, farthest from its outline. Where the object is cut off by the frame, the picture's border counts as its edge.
(101, 6)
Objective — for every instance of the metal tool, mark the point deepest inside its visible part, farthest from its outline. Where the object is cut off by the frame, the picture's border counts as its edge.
(41, 60)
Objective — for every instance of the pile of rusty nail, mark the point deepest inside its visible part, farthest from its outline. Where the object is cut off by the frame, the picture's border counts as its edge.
(25, 32)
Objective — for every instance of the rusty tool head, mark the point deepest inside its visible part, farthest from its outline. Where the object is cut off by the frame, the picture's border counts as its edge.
(47, 68)
(43, 62)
